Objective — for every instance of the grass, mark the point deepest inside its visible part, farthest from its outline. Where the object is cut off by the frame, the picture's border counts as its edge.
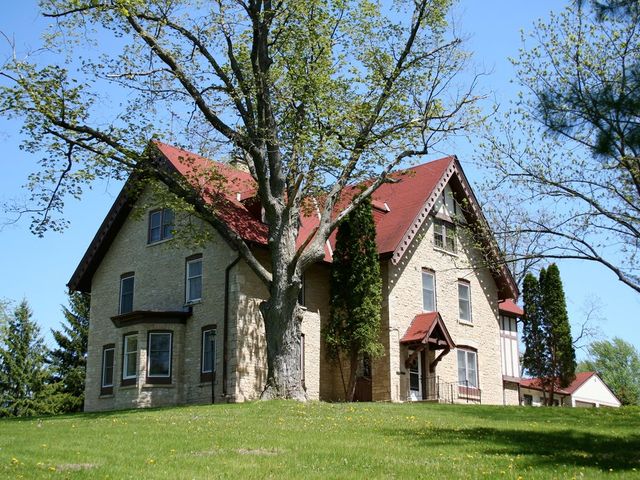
(319, 440)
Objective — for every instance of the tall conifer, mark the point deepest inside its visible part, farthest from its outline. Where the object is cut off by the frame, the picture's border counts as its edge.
(562, 355)
(69, 360)
(22, 365)
(535, 356)
(353, 329)
(549, 352)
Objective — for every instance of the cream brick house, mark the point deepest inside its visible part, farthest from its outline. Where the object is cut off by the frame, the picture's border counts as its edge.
(176, 322)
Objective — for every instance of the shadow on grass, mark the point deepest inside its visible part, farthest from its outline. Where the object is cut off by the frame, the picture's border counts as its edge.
(565, 447)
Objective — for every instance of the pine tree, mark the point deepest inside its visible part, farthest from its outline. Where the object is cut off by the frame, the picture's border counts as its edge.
(353, 329)
(23, 372)
(69, 360)
(562, 355)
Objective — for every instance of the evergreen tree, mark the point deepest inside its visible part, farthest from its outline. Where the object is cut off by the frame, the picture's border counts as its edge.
(69, 360)
(23, 372)
(353, 329)
(562, 355)
(549, 352)
(535, 355)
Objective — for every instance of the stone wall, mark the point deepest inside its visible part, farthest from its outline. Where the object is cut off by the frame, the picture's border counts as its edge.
(405, 302)
(159, 284)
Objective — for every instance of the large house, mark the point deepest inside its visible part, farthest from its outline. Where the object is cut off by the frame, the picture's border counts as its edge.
(175, 317)
(586, 390)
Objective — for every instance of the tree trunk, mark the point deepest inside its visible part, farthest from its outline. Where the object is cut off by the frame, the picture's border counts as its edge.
(353, 377)
(282, 320)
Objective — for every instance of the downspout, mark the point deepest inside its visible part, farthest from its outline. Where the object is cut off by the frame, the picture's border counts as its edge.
(226, 333)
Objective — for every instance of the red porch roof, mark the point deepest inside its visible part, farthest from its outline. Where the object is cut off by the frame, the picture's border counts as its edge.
(428, 328)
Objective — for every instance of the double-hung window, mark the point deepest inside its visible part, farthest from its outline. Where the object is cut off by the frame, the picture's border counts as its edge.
(130, 359)
(126, 293)
(159, 357)
(160, 225)
(108, 358)
(468, 368)
(194, 279)
(464, 301)
(208, 353)
(444, 235)
(428, 291)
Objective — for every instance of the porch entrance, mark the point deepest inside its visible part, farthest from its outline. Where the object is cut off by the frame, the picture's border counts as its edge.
(425, 336)
(415, 377)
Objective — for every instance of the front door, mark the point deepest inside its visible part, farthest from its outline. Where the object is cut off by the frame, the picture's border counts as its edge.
(415, 377)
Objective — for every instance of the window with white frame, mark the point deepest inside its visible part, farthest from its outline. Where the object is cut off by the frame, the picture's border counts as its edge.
(160, 225)
(428, 291)
(130, 358)
(194, 279)
(208, 350)
(108, 359)
(464, 301)
(467, 368)
(126, 293)
(444, 235)
(159, 356)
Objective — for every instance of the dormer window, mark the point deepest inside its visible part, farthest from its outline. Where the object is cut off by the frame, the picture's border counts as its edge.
(444, 235)
(160, 225)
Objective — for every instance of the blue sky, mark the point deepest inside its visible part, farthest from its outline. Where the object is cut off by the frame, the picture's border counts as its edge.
(39, 268)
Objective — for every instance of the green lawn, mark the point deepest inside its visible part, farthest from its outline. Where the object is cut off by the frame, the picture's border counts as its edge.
(318, 440)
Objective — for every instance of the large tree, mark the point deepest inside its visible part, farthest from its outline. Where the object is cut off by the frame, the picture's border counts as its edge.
(569, 149)
(69, 359)
(549, 351)
(353, 329)
(311, 94)
(23, 372)
(618, 363)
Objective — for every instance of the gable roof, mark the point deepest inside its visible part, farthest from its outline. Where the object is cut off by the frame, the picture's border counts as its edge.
(428, 328)
(578, 381)
(581, 378)
(400, 209)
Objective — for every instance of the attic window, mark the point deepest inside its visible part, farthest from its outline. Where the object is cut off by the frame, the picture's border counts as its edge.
(444, 235)
(160, 225)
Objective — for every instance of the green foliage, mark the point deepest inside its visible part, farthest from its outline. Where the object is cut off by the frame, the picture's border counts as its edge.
(559, 341)
(288, 440)
(353, 328)
(568, 151)
(312, 95)
(549, 351)
(535, 356)
(69, 359)
(23, 372)
(618, 363)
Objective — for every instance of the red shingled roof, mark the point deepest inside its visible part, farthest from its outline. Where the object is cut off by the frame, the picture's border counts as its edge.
(428, 327)
(534, 383)
(239, 187)
(579, 380)
(420, 327)
(510, 307)
(399, 207)
(404, 199)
